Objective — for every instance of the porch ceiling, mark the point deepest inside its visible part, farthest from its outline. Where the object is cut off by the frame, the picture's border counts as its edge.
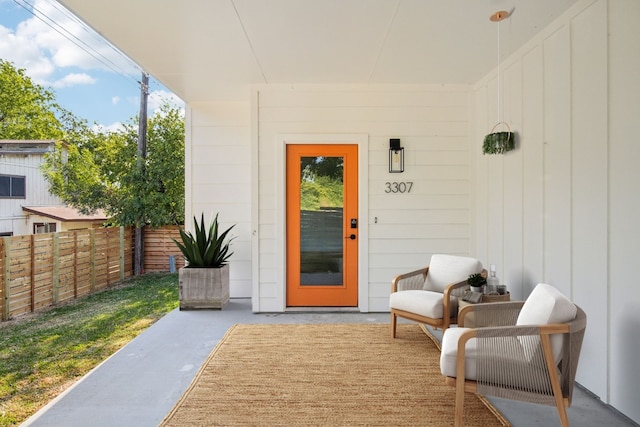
(215, 49)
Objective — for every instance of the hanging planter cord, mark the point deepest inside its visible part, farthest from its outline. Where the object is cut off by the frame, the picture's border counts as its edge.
(502, 123)
(499, 142)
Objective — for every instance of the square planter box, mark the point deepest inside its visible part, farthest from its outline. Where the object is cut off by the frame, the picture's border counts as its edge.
(203, 288)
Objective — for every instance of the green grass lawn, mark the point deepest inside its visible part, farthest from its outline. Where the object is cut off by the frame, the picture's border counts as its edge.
(42, 354)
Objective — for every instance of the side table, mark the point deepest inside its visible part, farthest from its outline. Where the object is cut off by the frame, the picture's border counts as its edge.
(469, 320)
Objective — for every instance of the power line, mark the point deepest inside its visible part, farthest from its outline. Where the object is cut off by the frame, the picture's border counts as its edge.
(90, 50)
(84, 45)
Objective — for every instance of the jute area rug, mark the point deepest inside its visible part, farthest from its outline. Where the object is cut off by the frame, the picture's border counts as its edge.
(325, 375)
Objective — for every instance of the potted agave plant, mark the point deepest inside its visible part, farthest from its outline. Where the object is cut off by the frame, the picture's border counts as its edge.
(204, 281)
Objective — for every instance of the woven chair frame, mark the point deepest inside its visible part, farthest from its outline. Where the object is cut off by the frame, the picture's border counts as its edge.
(504, 370)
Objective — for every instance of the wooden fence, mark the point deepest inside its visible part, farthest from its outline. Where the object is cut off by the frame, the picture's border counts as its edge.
(40, 270)
(159, 247)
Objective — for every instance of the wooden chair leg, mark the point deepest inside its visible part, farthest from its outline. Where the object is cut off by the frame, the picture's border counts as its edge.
(562, 412)
(555, 381)
(459, 402)
(394, 321)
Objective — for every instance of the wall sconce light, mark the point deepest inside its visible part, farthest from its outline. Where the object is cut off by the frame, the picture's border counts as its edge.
(396, 156)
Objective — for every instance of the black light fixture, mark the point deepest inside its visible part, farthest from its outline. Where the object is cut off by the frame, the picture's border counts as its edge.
(396, 156)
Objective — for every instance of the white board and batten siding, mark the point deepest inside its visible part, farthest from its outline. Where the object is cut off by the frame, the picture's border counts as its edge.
(563, 207)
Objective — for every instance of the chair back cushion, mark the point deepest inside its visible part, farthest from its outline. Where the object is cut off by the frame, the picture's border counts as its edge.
(447, 269)
(545, 305)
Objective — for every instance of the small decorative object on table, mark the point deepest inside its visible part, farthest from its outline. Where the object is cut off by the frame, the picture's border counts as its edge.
(477, 282)
(495, 297)
(492, 280)
(472, 297)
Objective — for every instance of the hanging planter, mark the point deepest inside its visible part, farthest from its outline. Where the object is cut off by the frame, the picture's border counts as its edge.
(499, 142)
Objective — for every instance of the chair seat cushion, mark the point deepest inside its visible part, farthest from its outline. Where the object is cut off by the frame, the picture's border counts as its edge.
(424, 303)
(507, 364)
(449, 354)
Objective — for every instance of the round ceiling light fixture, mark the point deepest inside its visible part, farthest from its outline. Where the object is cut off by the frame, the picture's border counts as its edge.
(499, 16)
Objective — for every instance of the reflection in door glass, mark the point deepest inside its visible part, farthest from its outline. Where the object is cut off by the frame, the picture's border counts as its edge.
(321, 234)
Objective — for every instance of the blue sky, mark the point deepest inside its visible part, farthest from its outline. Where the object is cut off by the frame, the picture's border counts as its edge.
(88, 76)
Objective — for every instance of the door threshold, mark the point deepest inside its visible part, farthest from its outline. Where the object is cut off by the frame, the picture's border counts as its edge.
(322, 310)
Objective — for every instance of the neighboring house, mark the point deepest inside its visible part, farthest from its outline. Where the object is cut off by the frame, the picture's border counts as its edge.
(48, 219)
(26, 205)
(264, 80)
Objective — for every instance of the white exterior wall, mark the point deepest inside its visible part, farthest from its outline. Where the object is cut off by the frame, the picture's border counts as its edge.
(218, 178)
(432, 124)
(563, 207)
(12, 217)
(235, 166)
(623, 207)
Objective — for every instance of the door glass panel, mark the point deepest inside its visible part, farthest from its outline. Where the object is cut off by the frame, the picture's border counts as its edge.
(321, 220)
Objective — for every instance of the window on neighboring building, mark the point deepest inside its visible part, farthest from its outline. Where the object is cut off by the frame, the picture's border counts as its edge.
(6, 233)
(12, 187)
(44, 227)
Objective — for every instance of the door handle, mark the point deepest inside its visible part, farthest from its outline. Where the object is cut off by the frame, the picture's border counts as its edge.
(351, 236)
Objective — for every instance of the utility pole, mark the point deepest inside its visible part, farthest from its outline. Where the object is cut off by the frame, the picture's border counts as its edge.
(138, 257)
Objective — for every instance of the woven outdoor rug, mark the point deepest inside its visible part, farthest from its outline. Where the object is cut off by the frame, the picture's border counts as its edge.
(325, 375)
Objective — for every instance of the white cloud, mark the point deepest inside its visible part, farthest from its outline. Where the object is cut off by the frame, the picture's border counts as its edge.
(74, 79)
(25, 53)
(115, 100)
(54, 38)
(113, 127)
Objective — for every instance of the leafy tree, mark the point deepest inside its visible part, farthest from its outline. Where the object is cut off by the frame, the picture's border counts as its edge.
(331, 167)
(27, 110)
(93, 170)
(99, 171)
(321, 185)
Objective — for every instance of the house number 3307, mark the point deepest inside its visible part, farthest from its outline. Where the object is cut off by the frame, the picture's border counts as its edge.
(398, 187)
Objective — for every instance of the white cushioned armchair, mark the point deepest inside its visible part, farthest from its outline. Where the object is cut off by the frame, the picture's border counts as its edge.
(430, 295)
(530, 352)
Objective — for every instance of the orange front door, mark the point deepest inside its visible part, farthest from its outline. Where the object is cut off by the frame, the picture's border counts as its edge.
(322, 225)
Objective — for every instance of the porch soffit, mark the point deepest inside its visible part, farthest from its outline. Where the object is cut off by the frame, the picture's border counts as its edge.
(215, 49)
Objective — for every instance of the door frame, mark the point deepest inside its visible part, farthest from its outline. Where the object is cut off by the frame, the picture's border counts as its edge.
(362, 141)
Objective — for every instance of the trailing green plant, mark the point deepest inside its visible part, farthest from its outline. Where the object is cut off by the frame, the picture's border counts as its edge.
(476, 280)
(205, 248)
(498, 143)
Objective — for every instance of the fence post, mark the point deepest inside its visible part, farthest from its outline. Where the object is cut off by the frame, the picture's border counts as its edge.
(55, 279)
(92, 249)
(106, 254)
(7, 278)
(32, 277)
(121, 253)
(75, 265)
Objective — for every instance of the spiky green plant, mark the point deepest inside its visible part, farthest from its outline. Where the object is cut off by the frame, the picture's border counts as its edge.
(476, 280)
(205, 248)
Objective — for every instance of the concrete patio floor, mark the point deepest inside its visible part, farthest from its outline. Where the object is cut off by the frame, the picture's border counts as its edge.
(140, 384)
